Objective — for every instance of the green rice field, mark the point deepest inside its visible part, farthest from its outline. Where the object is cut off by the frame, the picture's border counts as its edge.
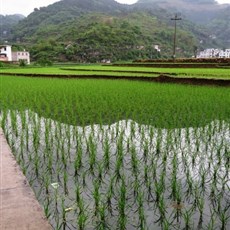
(111, 154)
(122, 71)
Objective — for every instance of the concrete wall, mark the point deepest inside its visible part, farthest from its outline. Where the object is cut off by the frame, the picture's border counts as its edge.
(21, 55)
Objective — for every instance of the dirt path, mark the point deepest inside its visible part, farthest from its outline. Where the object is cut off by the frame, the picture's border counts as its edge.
(19, 209)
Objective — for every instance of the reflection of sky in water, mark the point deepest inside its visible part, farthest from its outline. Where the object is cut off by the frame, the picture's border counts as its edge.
(197, 151)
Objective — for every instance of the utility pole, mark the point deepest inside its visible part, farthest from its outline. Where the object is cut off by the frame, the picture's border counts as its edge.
(175, 19)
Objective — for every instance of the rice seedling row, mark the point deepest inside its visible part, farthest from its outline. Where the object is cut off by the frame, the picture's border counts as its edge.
(91, 173)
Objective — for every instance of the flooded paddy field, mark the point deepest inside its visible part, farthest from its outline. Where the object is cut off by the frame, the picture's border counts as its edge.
(165, 165)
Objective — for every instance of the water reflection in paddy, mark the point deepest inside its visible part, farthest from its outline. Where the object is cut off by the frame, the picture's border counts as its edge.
(124, 174)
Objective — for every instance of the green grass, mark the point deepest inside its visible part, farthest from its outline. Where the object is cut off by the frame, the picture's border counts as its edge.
(61, 71)
(198, 72)
(189, 72)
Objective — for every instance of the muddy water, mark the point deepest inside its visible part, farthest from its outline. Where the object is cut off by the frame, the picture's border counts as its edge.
(169, 174)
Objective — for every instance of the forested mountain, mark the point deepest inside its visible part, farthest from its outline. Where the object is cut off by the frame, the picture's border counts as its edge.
(212, 16)
(7, 24)
(198, 11)
(98, 36)
(220, 26)
(64, 11)
(95, 30)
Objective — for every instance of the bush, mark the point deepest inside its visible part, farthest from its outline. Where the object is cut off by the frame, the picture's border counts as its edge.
(44, 62)
(22, 63)
(1, 65)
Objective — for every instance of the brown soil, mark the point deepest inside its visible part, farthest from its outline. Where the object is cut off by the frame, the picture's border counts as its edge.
(161, 78)
(116, 71)
(176, 65)
(178, 206)
(193, 81)
(186, 61)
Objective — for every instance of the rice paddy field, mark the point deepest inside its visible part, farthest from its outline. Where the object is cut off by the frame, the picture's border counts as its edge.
(132, 71)
(111, 154)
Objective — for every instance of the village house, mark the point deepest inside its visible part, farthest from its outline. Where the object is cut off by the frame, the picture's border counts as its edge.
(214, 53)
(157, 48)
(6, 54)
(224, 53)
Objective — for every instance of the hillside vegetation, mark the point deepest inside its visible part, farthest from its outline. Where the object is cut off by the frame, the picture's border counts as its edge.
(101, 30)
(7, 24)
(94, 37)
(221, 26)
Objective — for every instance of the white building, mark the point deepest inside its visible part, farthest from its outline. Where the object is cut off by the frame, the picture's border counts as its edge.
(21, 55)
(224, 53)
(157, 48)
(214, 53)
(7, 55)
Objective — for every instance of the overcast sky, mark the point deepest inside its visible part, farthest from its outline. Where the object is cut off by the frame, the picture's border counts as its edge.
(25, 7)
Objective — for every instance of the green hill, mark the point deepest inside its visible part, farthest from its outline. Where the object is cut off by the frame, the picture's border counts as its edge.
(198, 11)
(220, 26)
(97, 36)
(64, 11)
(212, 16)
(96, 30)
(7, 24)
